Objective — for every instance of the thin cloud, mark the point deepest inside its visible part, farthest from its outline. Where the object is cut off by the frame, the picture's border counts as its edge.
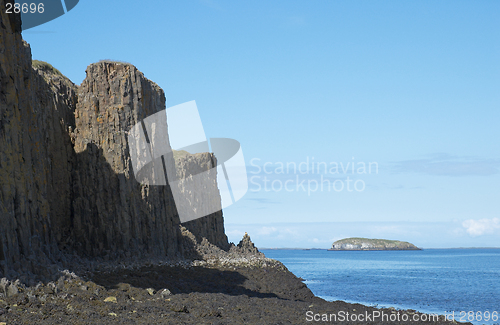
(263, 200)
(447, 165)
(211, 4)
(235, 232)
(481, 226)
(267, 231)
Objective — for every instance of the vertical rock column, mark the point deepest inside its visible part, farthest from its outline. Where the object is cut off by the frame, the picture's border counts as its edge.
(36, 110)
(112, 213)
(15, 175)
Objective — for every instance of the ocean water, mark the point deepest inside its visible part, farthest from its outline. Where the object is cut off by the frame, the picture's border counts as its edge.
(430, 281)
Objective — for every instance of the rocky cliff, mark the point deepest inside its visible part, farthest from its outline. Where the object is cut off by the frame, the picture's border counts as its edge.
(66, 182)
(35, 148)
(365, 244)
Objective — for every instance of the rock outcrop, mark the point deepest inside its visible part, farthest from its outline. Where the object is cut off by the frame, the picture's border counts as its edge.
(66, 183)
(365, 244)
(247, 246)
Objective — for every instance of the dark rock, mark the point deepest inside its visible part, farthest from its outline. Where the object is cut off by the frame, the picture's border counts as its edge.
(65, 179)
(247, 246)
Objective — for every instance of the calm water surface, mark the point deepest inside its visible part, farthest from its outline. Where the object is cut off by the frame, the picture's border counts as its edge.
(430, 281)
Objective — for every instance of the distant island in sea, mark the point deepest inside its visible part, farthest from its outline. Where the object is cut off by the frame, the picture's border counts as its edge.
(366, 244)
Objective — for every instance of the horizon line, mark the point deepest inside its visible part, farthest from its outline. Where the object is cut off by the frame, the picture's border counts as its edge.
(316, 248)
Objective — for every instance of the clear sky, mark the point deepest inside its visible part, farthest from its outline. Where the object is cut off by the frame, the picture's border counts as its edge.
(411, 87)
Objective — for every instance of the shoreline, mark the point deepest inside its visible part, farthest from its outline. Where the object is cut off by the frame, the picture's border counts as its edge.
(223, 288)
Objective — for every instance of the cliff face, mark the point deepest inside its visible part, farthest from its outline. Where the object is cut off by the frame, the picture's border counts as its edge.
(365, 244)
(35, 114)
(212, 227)
(112, 213)
(66, 181)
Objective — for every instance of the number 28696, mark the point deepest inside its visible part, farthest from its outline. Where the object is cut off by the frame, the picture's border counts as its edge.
(15, 8)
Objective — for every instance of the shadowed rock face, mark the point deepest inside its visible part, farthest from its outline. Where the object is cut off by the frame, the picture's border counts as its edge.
(35, 153)
(211, 227)
(66, 181)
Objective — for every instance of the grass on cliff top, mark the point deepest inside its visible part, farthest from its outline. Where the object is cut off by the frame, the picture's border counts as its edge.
(356, 240)
(180, 154)
(44, 66)
(114, 61)
(184, 154)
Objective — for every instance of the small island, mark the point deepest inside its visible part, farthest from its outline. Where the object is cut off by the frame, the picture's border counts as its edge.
(365, 244)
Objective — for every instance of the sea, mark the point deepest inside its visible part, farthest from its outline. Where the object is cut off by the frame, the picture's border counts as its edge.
(461, 283)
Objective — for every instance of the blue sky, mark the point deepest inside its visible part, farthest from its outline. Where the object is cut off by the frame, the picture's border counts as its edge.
(411, 86)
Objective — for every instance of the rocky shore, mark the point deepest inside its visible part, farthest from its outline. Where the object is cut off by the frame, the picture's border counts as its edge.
(238, 286)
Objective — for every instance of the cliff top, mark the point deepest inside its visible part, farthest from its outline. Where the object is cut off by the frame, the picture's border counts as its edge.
(178, 154)
(51, 74)
(111, 65)
(46, 67)
(113, 62)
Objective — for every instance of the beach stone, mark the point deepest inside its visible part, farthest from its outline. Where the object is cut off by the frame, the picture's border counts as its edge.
(164, 293)
(110, 299)
(12, 290)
